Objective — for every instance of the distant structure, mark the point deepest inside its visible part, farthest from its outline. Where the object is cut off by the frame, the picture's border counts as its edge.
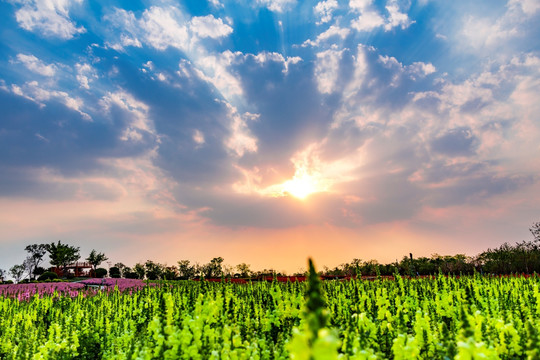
(79, 269)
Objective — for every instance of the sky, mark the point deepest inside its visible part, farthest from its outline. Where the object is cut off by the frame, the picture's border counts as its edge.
(267, 131)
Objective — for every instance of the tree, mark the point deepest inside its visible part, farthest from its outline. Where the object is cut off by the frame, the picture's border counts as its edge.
(17, 272)
(186, 271)
(139, 270)
(154, 271)
(95, 259)
(36, 253)
(129, 274)
(123, 268)
(114, 272)
(2, 275)
(214, 268)
(170, 273)
(535, 231)
(243, 270)
(61, 255)
(100, 272)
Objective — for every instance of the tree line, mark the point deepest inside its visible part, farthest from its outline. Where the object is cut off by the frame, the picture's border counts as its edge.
(60, 257)
(522, 257)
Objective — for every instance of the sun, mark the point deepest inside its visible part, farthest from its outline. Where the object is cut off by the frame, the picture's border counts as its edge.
(301, 186)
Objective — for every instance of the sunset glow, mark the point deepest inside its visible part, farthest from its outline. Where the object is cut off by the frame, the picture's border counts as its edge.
(302, 186)
(266, 131)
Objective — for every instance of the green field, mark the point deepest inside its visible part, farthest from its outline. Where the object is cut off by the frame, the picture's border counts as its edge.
(442, 317)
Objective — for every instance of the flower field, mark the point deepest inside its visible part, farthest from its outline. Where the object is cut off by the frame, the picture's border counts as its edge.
(430, 318)
(70, 289)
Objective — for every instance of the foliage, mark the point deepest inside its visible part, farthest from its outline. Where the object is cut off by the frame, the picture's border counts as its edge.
(244, 270)
(214, 269)
(36, 254)
(95, 259)
(48, 275)
(114, 272)
(466, 317)
(139, 270)
(153, 270)
(122, 268)
(61, 255)
(100, 273)
(186, 271)
(17, 272)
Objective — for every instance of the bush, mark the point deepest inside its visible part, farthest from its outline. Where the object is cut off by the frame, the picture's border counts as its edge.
(39, 271)
(101, 272)
(114, 272)
(8, 282)
(47, 275)
(69, 275)
(131, 275)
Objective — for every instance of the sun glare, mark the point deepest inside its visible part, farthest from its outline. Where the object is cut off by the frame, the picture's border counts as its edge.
(301, 187)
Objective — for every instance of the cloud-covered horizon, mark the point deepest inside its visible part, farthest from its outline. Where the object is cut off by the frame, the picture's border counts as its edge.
(198, 118)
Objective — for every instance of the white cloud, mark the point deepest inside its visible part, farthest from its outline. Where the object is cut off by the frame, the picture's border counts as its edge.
(484, 33)
(324, 10)
(476, 103)
(162, 30)
(371, 19)
(210, 27)
(198, 137)
(34, 64)
(213, 68)
(327, 70)
(360, 67)
(162, 77)
(396, 17)
(34, 92)
(350, 106)
(130, 41)
(85, 74)
(360, 4)
(528, 7)
(333, 31)
(414, 71)
(216, 4)
(49, 18)
(367, 21)
(140, 121)
(421, 69)
(169, 27)
(276, 57)
(241, 139)
(277, 5)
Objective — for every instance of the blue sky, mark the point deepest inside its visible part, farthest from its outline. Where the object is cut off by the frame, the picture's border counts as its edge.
(193, 129)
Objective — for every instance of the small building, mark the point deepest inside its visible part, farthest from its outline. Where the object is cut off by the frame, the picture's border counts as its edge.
(78, 269)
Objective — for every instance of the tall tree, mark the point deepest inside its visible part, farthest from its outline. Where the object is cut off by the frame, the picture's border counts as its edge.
(243, 270)
(2, 274)
(535, 231)
(36, 253)
(214, 268)
(95, 259)
(186, 271)
(122, 268)
(17, 272)
(154, 271)
(61, 255)
(140, 270)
